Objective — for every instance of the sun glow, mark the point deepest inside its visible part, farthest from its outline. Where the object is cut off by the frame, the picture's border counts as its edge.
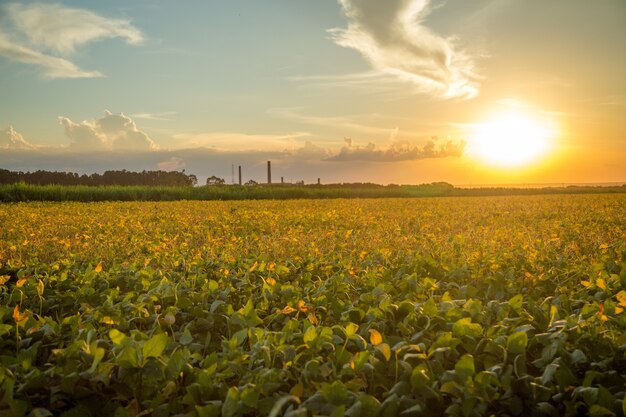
(510, 139)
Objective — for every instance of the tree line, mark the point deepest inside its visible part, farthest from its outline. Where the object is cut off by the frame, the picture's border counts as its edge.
(123, 177)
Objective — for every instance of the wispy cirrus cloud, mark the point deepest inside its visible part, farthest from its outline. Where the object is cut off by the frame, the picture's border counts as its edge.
(162, 116)
(47, 35)
(392, 37)
(52, 66)
(237, 141)
(340, 122)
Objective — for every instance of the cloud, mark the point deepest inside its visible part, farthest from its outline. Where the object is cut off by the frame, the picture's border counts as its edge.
(11, 139)
(173, 163)
(47, 34)
(234, 141)
(333, 122)
(61, 29)
(392, 37)
(110, 132)
(53, 67)
(309, 151)
(162, 116)
(398, 151)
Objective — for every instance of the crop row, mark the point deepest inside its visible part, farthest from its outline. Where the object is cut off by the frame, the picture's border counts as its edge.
(462, 307)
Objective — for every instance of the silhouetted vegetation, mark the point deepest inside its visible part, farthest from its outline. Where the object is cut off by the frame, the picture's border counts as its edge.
(123, 177)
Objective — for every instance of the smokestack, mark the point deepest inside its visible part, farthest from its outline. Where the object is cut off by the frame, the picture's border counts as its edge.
(282, 181)
(269, 172)
(239, 174)
(318, 182)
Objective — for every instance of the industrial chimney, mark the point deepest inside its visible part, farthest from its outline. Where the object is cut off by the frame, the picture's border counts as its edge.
(269, 172)
(239, 174)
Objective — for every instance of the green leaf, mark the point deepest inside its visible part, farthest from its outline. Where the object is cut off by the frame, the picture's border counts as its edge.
(599, 411)
(336, 393)
(117, 337)
(465, 367)
(419, 376)
(516, 302)
(310, 335)
(5, 328)
(231, 403)
(154, 347)
(97, 357)
(186, 338)
(516, 343)
(278, 405)
(351, 329)
(250, 396)
(430, 308)
(40, 412)
(465, 327)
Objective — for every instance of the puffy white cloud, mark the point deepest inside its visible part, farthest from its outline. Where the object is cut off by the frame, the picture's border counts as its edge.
(392, 37)
(11, 139)
(399, 151)
(46, 34)
(110, 132)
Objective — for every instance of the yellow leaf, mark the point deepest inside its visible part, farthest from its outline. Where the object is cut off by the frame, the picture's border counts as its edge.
(604, 246)
(288, 310)
(302, 307)
(4, 279)
(270, 281)
(98, 267)
(385, 350)
(20, 282)
(601, 283)
(254, 266)
(585, 284)
(621, 298)
(375, 337)
(19, 317)
(619, 310)
(312, 318)
(107, 320)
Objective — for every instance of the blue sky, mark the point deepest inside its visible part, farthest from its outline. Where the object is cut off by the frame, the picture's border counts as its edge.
(348, 90)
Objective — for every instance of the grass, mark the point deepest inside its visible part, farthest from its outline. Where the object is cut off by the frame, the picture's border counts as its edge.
(27, 192)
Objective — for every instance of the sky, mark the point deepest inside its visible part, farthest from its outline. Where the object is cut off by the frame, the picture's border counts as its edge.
(400, 91)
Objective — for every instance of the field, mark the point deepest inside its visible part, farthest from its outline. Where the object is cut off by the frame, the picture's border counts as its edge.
(415, 307)
(20, 192)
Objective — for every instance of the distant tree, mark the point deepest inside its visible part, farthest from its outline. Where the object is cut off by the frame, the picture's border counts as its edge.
(213, 180)
(123, 177)
(252, 182)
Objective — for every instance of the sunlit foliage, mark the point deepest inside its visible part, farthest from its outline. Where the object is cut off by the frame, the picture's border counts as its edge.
(447, 306)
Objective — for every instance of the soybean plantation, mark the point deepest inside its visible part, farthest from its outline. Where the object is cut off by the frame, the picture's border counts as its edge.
(471, 306)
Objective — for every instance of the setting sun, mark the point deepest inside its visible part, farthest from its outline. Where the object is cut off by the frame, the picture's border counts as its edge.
(510, 139)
